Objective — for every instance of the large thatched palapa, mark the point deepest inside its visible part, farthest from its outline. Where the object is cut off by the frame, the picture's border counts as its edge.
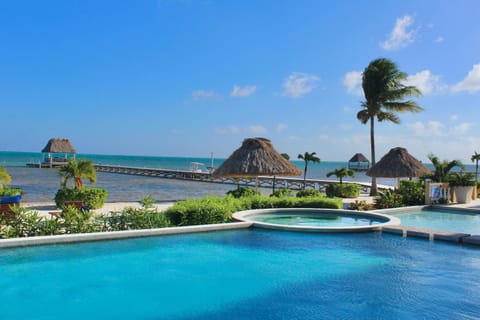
(56, 145)
(397, 163)
(256, 157)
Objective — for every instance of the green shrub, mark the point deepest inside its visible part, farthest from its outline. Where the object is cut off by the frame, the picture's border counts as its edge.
(9, 191)
(309, 193)
(131, 219)
(389, 199)
(361, 205)
(412, 191)
(344, 190)
(242, 192)
(284, 192)
(92, 197)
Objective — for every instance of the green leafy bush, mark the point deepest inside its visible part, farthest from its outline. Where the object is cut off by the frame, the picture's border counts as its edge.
(131, 219)
(9, 191)
(345, 190)
(242, 192)
(219, 210)
(309, 193)
(361, 205)
(389, 199)
(92, 197)
(412, 191)
(284, 192)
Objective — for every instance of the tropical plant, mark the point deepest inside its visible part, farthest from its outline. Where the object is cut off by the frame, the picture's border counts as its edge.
(461, 179)
(308, 157)
(441, 169)
(309, 193)
(4, 177)
(347, 190)
(78, 170)
(475, 158)
(384, 90)
(341, 173)
(285, 156)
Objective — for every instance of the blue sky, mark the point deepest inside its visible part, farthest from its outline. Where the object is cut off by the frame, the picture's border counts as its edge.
(186, 78)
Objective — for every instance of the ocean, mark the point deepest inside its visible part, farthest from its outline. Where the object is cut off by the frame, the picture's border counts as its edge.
(40, 185)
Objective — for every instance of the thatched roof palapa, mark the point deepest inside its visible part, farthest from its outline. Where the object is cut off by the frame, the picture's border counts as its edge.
(358, 157)
(56, 145)
(397, 163)
(256, 157)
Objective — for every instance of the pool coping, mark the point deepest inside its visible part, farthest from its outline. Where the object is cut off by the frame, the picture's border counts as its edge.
(117, 235)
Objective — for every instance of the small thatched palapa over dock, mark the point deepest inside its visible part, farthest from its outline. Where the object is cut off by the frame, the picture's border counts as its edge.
(359, 163)
(56, 154)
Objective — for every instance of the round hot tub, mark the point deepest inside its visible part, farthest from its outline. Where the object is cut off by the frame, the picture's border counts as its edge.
(316, 220)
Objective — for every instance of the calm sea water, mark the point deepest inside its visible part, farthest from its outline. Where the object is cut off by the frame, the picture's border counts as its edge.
(42, 184)
(246, 274)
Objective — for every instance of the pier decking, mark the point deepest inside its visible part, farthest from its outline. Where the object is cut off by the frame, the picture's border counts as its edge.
(263, 181)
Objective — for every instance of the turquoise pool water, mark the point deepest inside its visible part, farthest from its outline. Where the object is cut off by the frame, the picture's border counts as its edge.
(317, 220)
(246, 274)
(442, 220)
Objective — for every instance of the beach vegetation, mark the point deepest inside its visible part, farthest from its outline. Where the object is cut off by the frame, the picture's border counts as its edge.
(475, 158)
(242, 192)
(93, 198)
(4, 177)
(461, 179)
(442, 169)
(147, 201)
(361, 205)
(341, 173)
(412, 192)
(347, 190)
(132, 219)
(211, 210)
(384, 91)
(307, 158)
(309, 193)
(285, 156)
(389, 199)
(76, 171)
(283, 192)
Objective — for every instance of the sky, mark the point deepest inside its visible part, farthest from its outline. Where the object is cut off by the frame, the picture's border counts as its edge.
(191, 77)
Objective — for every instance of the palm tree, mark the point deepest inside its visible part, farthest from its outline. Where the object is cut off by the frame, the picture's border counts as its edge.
(78, 170)
(308, 157)
(383, 89)
(475, 158)
(341, 173)
(442, 169)
(4, 177)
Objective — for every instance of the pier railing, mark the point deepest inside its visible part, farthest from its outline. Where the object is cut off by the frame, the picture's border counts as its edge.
(263, 181)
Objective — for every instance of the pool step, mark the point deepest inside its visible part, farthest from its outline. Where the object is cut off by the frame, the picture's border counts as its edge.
(432, 234)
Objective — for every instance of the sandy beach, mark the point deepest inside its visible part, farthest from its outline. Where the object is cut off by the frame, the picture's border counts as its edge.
(43, 208)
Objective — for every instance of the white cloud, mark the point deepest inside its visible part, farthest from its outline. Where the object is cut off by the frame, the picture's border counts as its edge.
(324, 137)
(281, 127)
(432, 128)
(202, 94)
(228, 130)
(299, 84)
(462, 128)
(439, 39)
(471, 83)
(425, 81)
(353, 82)
(256, 129)
(453, 117)
(243, 91)
(400, 36)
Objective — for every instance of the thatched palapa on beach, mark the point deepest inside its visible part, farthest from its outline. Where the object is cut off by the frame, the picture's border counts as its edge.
(56, 145)
(397, 163)
(359, 162)
(256, 157)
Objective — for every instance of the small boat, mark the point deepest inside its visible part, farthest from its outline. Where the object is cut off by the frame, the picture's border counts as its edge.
(195, 166)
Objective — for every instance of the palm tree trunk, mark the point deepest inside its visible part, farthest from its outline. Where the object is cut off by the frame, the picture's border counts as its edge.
(373, 187)
(476, 171)
(305, 175)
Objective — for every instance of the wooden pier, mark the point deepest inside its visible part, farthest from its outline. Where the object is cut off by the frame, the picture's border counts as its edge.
(263, 181)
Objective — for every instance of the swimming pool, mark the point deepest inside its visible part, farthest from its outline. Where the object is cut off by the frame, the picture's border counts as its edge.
(443, 220)
(243, 274)
(316, 220)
